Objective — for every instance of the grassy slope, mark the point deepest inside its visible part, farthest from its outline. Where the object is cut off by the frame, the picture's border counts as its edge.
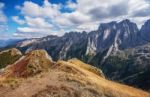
(70, 79)
(112, 89)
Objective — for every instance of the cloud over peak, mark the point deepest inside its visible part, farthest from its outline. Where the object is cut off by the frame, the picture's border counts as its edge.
(82, 15)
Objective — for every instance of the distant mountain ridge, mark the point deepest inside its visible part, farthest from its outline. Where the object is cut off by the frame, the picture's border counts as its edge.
(120, 49)
(7, 42)
(111, 36)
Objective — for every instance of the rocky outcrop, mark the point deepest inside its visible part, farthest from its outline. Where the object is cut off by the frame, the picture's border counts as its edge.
(30, 64)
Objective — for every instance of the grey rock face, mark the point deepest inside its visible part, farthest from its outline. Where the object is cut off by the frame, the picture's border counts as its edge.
(145, 31)
(57, 47)
(107, 35)
(113, 36)
(128, 34)
(123, 34)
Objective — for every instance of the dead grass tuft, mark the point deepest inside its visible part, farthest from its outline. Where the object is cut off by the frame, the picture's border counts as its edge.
(87, 67)
(57, 91)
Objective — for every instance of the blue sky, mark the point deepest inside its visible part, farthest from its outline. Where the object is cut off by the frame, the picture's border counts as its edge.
(38, 18)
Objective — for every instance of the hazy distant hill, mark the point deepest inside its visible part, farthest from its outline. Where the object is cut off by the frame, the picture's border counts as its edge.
(7, 42)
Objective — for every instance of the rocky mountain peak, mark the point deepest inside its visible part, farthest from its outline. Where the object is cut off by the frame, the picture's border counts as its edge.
(145, 31)
(147, 23)
(105, 26)
(125, 21)
(128, 34)
(49, 37)
(75, 35)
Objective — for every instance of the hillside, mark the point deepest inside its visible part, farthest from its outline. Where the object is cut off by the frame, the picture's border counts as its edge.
(9, 56)
(71, 78)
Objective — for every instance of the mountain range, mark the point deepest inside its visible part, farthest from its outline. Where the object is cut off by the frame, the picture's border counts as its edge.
(120, 49)
(113, 36)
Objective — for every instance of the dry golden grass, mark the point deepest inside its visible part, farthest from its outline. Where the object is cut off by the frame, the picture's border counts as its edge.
(86, 67)
(57, 91)
(109, 88)
(67, 67)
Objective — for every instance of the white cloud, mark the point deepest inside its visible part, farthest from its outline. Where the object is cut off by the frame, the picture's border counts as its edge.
(86, 15)
(71, 5)
(139, 8)
(30, 30)
(37, 22)
(17, 20)
(47, 10)
(31, 9)
(3, 22)
(3, 18)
